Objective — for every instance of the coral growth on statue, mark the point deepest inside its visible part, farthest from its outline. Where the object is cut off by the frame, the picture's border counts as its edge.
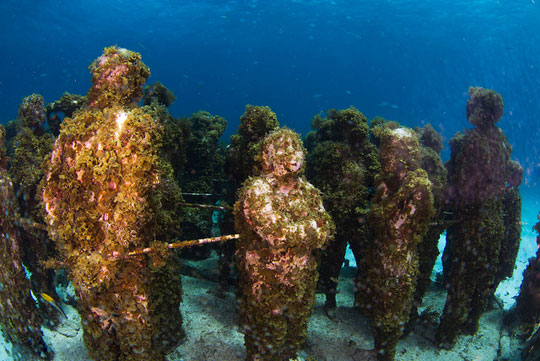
(342, 163)
(202, 174)
(107, 192)
(401, 210)
(31, 146)
(21, 320)
(243, 155)
(65, 106)
(242, 159)
(525, 315)
(283, 226)
(483, 241)
(428, 250)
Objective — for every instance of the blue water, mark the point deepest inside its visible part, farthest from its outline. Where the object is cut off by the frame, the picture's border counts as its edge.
(411, 61)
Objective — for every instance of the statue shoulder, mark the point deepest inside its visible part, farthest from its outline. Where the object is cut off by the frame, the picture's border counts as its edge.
(255, 189)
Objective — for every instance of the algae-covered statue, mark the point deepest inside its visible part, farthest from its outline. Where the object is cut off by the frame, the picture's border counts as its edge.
(20, 322)
(30, 146)
(483, 241)
(523, 318)
(241, 161)
(283, 225)
(342, 163)
(401, 210)
(107, 192)
(431, 146)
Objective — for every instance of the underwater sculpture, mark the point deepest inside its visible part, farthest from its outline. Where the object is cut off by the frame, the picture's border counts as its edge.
(242, 160)
(20, 319)
(174, 137)
(342, 163)
(430, 160)
(282, 225)
(31, 146)
(481, 244)
(204, 153)
(430, 143)
(243, 155)
(401, 210)
(66, 106)
(107, 192)
(158, 94)
(202, 174)
(526, 312)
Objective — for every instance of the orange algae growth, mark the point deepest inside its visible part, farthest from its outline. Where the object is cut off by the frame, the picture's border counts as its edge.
(282, 225)
(401, 210)
(103, 195)
(118, 78)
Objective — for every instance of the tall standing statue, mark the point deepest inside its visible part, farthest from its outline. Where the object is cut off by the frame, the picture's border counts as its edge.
(107, 192)
(283, 226)
(483, 241)
(242, 160)
(31, 146)
(342, 163)
(20, 320)
(401, 210)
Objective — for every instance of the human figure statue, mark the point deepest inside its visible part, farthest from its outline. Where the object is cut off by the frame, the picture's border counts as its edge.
(104, 196)
(283, 226)
(401, 210)
(483, 196)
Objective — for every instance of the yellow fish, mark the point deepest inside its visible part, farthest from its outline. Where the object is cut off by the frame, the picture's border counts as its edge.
(51, 302)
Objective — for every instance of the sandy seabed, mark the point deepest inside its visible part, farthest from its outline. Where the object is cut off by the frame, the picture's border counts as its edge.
(212, 331)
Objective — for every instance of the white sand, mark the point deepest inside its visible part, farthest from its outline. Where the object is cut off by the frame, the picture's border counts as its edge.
(212, 332)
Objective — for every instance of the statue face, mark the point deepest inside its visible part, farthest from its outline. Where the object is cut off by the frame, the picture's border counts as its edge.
(290, 161)
(283, 157)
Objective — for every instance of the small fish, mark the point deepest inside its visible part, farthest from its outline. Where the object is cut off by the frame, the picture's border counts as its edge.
(51, 302)
(385, 104)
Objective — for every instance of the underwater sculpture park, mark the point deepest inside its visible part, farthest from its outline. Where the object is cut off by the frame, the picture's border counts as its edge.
(105, 196)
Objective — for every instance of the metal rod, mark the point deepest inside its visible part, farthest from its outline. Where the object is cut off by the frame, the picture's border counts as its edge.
(190, 243)
(204, 206)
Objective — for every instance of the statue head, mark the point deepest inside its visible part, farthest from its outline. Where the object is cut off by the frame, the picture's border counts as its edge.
(485, 107)
(283, 154)
(118, 78)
